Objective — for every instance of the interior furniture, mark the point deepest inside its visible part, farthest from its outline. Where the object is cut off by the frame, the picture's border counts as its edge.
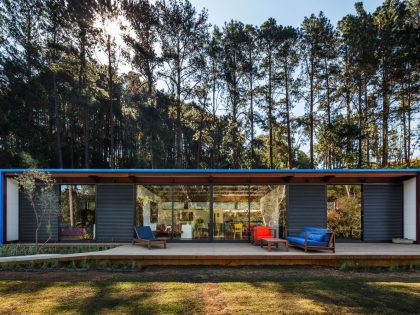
(237, 229)
(144, 235)
(312, 238)
(187, 231)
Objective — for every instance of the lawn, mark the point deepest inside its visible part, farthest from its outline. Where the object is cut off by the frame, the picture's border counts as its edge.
(211, 290)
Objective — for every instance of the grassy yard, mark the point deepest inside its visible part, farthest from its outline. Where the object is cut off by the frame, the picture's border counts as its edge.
(266, 290)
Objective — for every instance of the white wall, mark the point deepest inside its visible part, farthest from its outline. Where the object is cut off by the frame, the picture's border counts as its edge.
(410, 208)
(12, 208)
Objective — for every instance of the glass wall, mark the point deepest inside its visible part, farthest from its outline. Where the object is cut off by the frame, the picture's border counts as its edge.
(184, 211)
(77, 212)
(192, 211)
(344, 210)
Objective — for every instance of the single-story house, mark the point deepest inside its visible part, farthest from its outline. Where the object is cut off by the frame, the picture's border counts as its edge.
(216, 205)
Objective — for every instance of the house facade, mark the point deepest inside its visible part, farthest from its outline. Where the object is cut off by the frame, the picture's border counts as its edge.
(103, 205)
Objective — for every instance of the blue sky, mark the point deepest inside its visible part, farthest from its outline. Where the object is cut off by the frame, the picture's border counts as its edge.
(286, 12)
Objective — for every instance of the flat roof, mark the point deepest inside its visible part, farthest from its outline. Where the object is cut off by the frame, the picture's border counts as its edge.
(225, 176)
(246, 171)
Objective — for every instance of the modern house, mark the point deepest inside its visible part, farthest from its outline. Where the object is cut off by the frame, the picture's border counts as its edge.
(103, 205)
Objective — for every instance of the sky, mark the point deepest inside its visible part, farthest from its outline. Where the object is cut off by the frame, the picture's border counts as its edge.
(286, 12)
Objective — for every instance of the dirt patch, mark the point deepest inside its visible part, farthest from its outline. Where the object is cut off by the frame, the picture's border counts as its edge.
(213, 299)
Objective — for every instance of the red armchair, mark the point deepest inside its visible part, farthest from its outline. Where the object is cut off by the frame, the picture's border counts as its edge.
(260, 232)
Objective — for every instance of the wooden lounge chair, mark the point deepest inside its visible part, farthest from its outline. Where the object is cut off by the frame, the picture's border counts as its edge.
(145, 236)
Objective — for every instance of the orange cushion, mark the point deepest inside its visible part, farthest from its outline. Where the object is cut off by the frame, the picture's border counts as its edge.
(261, 232)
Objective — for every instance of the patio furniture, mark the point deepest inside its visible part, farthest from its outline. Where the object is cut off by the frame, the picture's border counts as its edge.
(260, 232)
(145, 236)
(73, 232)
(274, 241)
(237, 229)
(313, 239)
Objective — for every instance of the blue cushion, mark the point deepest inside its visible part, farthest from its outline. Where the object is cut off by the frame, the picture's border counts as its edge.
(145, 232)
(301, 241)
(316, 237)
(302, 234)
(325, 237)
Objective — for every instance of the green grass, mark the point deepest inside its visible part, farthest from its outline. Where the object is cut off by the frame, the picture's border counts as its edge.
(211, 290)
(29, 249)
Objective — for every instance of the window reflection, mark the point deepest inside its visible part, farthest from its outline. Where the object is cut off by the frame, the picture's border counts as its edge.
(77, 212)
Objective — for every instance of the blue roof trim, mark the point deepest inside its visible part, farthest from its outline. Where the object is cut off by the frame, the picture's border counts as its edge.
(1, 208)
(245, 171)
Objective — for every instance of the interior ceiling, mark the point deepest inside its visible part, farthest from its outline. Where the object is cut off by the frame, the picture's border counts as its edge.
(201, 193)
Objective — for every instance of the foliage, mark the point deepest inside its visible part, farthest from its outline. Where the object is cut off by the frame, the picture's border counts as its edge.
(39, 190)
(192, 96)
(26, 249)
(344, 211)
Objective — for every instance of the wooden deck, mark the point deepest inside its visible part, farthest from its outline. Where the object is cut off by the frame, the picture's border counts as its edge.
(349, 254)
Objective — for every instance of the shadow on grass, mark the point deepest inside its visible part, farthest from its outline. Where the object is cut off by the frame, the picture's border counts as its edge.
(177, 290)
(129, 297)
(352, 295)
(22, 286)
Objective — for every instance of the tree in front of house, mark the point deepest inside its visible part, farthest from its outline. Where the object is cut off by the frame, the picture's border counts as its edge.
(38, 189)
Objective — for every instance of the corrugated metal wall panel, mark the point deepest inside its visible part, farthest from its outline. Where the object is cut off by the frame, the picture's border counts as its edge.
(306, 206)
(27, 222)
(382, 212)
(114, 213)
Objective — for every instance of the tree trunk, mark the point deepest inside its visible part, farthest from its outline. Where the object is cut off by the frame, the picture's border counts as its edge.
(251, 88)
(289, 132)
(367, 132)
(385, 118)
(111, 110)
(360, 109)
(178, 143)
(71, 211)
(213, 150)
(270, 114)
(57, 122)
(82, 87)
(329, 155)
(311, 117)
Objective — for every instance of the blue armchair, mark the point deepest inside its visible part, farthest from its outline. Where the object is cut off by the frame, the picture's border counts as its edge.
(313, 239)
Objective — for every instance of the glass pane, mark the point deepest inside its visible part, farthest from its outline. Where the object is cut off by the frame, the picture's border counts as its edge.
(154, 209)
(192, 211)
(77, 212)
(268, 207)
(230, 211)
(344, 210)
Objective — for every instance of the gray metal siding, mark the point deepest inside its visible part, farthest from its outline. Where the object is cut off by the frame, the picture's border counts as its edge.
(306, 207)
(382, 212)
(27, 222)
(114, 213)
